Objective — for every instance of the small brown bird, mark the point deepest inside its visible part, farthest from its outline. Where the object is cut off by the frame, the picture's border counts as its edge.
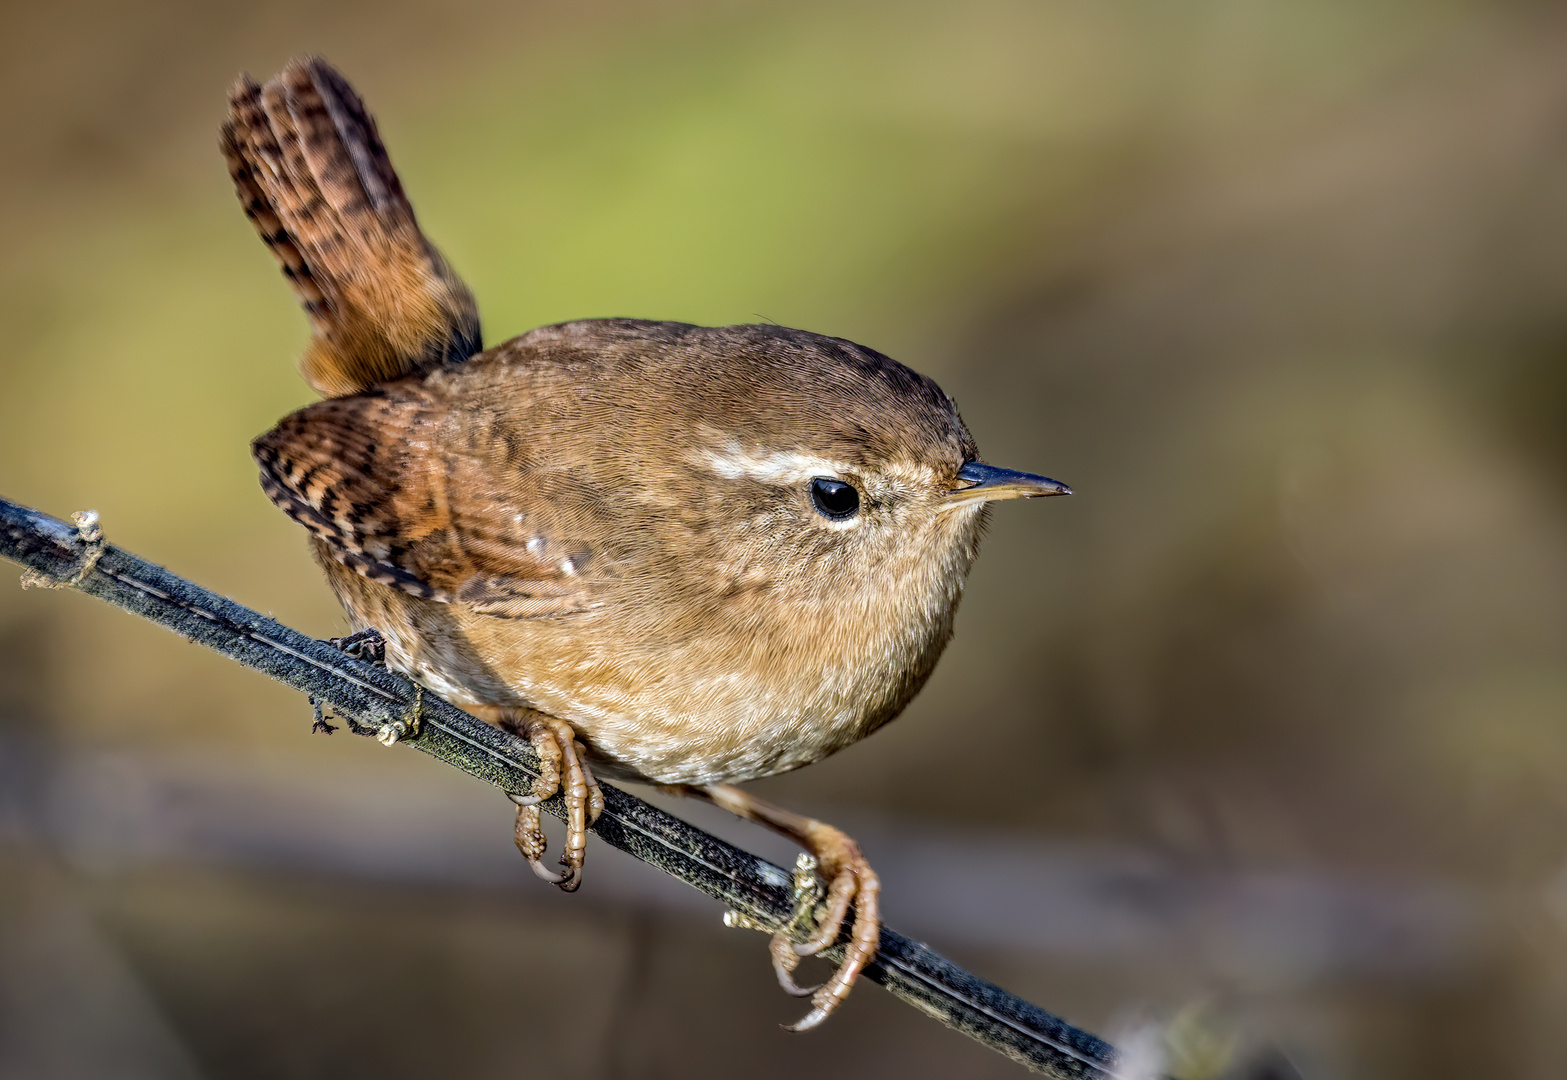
(685, 555)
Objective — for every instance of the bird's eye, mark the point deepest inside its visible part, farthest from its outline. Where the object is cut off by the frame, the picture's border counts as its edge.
(834, 499)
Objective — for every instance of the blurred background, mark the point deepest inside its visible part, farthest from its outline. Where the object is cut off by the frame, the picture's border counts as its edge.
(1267, 755)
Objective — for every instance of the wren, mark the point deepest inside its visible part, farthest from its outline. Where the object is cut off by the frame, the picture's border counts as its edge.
(683, 555)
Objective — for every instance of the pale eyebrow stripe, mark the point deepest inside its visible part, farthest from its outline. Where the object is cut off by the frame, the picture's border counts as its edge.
(732, 463)
(786, 466)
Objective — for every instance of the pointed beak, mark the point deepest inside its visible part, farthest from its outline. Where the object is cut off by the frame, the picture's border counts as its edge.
(986, 483)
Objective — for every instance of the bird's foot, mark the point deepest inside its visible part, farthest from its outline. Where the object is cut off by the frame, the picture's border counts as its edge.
(819, 919)
(808, 892)
(850, 881)
(564, 769)
(367, 644)
(808, 895)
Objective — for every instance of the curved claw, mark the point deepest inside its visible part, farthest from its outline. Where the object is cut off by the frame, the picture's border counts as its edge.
(857, 884)
(546, 874)
(794, 989)
(563, 769)
(852, 884)
(785, 959)
(808, 1021)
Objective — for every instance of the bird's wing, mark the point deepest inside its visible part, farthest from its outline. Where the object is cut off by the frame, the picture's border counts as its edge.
(378, 479)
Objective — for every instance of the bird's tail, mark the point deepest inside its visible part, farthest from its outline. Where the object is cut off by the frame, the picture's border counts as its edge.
(312, 175)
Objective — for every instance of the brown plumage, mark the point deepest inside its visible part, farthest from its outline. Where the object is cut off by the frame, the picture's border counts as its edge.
(662, 552)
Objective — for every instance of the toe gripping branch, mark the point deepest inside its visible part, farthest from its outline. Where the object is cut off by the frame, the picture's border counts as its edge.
(562, 760)
(819, 916)
(563, 770)
(804, 919)
(368, 645)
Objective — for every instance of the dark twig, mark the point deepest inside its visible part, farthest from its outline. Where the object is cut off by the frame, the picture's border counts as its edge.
(374, 701)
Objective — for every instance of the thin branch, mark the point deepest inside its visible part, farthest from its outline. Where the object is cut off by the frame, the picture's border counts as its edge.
(375, 701)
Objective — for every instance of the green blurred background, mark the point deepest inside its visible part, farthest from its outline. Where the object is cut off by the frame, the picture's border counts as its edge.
(1256, 746)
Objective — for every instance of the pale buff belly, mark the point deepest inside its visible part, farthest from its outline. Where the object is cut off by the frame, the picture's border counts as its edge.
(723, 726)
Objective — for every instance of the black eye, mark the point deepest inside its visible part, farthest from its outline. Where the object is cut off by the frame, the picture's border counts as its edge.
(834, 499)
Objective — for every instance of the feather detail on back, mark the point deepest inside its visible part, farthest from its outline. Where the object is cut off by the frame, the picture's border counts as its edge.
(310, 170)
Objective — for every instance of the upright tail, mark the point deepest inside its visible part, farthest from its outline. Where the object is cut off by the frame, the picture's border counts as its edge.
(311, 172)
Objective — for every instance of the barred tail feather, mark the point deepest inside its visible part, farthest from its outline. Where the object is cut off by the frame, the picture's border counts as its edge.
(311, 172)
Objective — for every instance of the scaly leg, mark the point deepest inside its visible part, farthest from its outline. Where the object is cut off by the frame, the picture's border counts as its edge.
(850, 880)
(565, 769)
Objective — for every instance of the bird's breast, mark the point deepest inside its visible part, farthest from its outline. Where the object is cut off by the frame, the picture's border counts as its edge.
(673, 685)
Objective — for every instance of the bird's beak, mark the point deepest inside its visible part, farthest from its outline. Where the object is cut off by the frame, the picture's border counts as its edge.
(986, 483)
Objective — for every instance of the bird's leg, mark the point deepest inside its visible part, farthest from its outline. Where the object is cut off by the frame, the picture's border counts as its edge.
(366, 644)
(850, 880)
(563, 768)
